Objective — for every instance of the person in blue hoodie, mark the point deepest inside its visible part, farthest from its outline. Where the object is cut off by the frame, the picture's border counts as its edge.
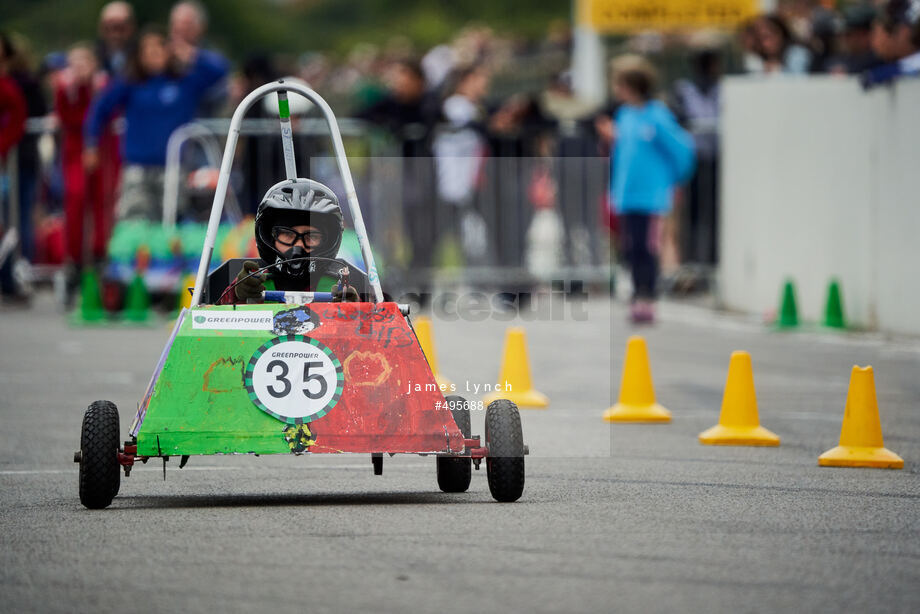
(156, 99)
(651, 155)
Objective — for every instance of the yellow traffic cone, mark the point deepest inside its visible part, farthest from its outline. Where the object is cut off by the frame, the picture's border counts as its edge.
(739, 424)
(425, 337)
(185, 297)
(514, 380)
(637, 394)
(861, 442)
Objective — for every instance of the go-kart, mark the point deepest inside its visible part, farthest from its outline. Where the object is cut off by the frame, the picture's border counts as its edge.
(299, 373)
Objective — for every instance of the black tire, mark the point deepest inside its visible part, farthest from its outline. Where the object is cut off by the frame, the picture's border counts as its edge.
(100, 473)
(505, 441)
(455, 473)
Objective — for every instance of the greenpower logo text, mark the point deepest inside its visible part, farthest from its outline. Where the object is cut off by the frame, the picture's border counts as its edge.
(233, 320)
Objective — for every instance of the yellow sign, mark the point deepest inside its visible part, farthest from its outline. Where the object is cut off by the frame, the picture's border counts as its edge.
(624, 16)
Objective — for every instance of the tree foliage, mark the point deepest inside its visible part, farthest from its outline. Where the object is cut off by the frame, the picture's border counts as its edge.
(242, 27)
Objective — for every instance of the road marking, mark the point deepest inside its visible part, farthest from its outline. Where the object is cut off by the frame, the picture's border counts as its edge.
(60, 471)
(704, 317)
(159, 469)
(110, 378)
(785, 415)
(32, 472)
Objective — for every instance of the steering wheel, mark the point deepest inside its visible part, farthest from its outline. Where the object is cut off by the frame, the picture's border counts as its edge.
(341, 269)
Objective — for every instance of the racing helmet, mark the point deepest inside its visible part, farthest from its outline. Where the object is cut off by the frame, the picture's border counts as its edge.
(295, 203)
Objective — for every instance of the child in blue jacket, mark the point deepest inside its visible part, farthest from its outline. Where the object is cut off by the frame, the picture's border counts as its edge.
(156, 99)
(651, 155)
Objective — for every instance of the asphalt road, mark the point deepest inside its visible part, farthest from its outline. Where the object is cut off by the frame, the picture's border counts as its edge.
(613, 518)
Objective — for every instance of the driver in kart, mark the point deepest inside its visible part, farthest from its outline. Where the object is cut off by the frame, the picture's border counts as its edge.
(293, 222)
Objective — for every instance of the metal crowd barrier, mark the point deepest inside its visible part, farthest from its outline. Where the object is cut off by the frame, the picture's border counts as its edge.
(396, 192)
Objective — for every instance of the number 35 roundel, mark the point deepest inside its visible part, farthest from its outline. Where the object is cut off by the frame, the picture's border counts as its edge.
(295, 379)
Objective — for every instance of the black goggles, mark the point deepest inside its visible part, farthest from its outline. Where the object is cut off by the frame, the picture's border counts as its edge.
(289, 236)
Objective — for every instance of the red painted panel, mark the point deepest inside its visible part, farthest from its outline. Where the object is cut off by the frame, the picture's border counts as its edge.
(390, 401)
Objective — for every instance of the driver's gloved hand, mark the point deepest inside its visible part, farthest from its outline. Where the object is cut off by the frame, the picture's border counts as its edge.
(246, 288)
(349, 296)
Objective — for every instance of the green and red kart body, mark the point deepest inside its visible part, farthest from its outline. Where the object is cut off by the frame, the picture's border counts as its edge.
(306, 375)
(378, 392)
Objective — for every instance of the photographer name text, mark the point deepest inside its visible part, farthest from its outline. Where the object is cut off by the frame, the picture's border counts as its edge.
(469, 387)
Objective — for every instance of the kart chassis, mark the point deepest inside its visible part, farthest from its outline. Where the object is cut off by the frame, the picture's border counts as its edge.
(102, 459)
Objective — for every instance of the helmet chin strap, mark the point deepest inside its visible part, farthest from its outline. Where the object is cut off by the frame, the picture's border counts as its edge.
(292, 269)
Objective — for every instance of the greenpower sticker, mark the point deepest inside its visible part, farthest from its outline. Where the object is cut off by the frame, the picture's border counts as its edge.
(237, 319)
(296, 379)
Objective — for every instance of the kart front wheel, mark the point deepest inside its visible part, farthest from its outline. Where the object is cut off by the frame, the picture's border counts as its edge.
(100, 472)
(455, 473)
(505, 442)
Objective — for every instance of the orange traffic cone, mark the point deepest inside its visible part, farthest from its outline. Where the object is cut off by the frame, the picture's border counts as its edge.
(422, 326)
(637, 394)
(739, 424)
(861, 442)
(514, 380)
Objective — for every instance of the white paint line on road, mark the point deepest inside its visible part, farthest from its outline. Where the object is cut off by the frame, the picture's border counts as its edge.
(810, 415)
(68, 471)
(71, 348)
(791, 415)
(159, 469)
(705, 317)
(34, 472)
(108, 378)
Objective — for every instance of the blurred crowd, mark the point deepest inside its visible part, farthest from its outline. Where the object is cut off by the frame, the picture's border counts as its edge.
(116, 100)
(830, 37)
(147, 81)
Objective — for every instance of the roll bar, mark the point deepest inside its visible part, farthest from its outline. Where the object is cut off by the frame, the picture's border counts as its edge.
(227, 162)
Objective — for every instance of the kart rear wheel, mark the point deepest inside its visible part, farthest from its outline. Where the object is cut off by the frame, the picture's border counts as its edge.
(455, 473)
(100, 472)
(505, 441)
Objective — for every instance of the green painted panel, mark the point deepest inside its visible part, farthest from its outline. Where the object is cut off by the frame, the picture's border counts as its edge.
(349, 368)
(199, 404)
